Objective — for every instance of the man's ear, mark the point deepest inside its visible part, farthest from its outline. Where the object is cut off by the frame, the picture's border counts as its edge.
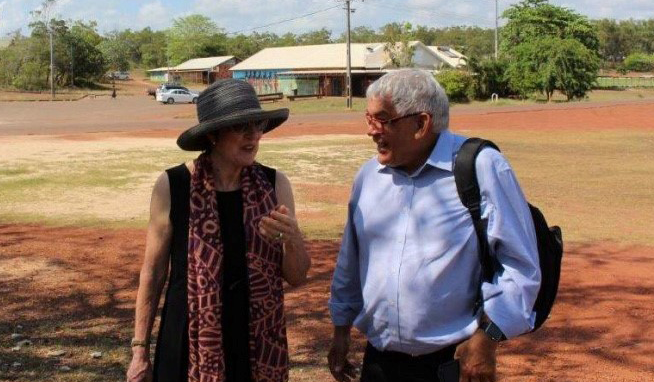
(424, 125)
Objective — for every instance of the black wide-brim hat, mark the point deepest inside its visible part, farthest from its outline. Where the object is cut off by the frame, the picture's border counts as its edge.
(226, 103)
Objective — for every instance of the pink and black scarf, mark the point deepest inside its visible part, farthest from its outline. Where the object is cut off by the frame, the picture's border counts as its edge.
(268, 347)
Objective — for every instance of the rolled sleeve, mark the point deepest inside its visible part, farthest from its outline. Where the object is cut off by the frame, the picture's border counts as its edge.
(346, 300)
(510, 298)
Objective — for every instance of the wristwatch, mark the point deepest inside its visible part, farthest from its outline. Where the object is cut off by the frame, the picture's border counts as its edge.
(492, 331)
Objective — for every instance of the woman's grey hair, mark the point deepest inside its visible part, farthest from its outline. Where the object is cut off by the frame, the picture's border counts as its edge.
(414, 91)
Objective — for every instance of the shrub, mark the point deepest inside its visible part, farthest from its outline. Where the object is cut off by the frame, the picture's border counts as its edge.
(31, 77)
(639, 62)
(489, 76)
(457, 85)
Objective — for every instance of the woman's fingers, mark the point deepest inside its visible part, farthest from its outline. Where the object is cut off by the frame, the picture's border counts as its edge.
(279, 222)
(274, 225)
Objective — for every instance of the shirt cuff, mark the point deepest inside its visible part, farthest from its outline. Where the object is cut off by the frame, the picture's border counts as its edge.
(512, 322)
(344, 314)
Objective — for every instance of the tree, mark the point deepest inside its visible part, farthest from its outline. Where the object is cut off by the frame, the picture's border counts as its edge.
(575, 68)
(613, 45)
(398, 44)
(550, 48)
(321, 36)
(152, 46)
(530, 68)
(87, 61)
(531, 19)
(25, 63)
(361, 34)
(115, 53)
(194, 36)
(287, 39)
(551, 63)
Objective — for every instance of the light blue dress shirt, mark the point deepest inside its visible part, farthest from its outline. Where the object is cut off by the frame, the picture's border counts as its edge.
(408, 270)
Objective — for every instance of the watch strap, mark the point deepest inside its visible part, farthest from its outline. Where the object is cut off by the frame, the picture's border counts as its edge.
(493, 331)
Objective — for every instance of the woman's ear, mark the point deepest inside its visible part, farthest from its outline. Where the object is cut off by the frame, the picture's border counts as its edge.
(212, 139)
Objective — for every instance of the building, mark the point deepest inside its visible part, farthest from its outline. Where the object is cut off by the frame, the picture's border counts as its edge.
(159, 74)
(450, 57)
(321, 69)
(199, 70)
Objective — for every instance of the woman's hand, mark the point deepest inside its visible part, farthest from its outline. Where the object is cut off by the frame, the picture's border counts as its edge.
(140, 369)
(280, 226)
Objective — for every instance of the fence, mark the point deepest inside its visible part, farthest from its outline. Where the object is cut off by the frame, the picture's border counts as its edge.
(625, 82)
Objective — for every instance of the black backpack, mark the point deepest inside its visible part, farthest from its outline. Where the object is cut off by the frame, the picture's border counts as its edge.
(550, 242)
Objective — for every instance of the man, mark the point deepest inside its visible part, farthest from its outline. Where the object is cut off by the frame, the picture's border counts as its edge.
(408, 271)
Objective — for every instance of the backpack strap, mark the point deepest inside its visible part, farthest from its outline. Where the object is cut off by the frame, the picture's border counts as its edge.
(467, 186)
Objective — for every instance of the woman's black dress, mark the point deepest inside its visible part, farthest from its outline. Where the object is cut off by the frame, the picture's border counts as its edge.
(171, 353)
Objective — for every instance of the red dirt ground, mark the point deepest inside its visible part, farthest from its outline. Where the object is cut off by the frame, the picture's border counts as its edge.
(540, 117)
(141, 117)
(601, 328)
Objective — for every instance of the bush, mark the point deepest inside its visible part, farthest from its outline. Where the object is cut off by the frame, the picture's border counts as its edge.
(32, 77)
(457, 85)
(489, 76)
(639, 62)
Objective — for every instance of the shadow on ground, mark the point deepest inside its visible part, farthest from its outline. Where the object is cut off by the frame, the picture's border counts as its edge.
(73, 289)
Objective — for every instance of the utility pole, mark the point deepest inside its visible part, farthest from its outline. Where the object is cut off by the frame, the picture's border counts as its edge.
(52, 73)
(72, 67)
(496, 28)
(348, 76)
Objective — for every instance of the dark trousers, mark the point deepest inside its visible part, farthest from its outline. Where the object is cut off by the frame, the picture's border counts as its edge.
(390, 366)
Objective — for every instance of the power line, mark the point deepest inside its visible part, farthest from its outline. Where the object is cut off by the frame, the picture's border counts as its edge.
(285, 21)
(485, 20)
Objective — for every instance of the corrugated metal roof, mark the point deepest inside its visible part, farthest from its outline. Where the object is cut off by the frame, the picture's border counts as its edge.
(164, 69)
(206, 63)
(449, 55)
(335, 71)
(325, 56)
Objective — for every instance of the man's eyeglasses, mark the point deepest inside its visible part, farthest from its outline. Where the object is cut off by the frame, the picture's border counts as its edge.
(379, 124)
(250, 127)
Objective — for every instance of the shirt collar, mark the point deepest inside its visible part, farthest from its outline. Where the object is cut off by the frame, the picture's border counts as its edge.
(440, 157)
(442, 154)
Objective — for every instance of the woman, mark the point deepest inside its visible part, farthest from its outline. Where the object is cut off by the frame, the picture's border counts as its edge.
(226, 226)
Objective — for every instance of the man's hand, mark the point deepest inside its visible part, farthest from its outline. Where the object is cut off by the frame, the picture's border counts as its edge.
(477, 358)
(140, 369)
(339, 366)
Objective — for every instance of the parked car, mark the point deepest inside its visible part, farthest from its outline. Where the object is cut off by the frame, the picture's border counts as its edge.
(118, 75)
(177, 96)
(166, 88)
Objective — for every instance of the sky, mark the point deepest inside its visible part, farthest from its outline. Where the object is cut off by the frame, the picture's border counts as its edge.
(243, 16)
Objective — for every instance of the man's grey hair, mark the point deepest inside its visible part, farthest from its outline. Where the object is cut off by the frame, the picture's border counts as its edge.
(413, 91)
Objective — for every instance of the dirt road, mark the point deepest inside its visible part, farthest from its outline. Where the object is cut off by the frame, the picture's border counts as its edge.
(142, 116)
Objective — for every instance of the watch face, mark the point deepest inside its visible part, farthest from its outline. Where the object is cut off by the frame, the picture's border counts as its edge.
(494, 332)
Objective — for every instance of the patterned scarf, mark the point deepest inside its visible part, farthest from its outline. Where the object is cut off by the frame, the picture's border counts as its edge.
(268, 347)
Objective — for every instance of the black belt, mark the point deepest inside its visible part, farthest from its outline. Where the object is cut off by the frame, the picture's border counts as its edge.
(439, 356)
